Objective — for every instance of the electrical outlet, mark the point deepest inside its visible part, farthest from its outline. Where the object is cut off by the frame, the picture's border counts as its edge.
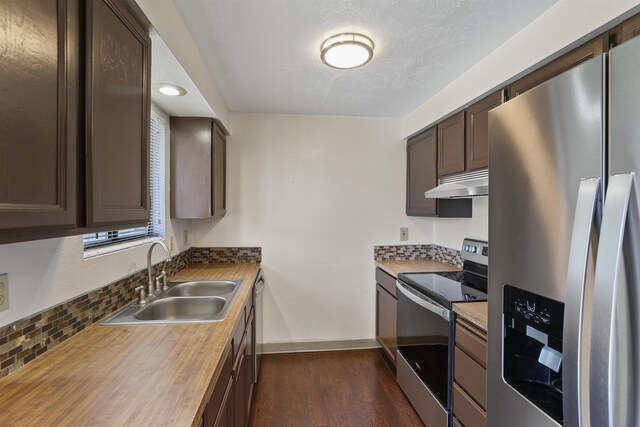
(404, 233)
(4, 292)
(185, 238)
(172, 244)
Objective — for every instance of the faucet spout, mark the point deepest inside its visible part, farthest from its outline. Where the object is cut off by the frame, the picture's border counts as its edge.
(168, 258)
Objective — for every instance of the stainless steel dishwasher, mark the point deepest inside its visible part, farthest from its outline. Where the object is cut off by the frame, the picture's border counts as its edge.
(257, 324)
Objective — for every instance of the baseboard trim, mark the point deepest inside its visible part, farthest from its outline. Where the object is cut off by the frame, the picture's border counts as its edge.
(306, 346)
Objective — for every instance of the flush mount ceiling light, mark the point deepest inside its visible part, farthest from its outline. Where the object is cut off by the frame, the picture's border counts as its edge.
(347, 50)
(169, 89)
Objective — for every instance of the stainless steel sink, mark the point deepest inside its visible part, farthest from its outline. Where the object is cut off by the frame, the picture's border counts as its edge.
(183, 309)
(202, 288)
(184, 302)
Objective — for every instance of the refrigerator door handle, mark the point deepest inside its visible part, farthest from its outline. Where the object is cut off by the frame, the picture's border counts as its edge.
(611, 371)
(589, 196)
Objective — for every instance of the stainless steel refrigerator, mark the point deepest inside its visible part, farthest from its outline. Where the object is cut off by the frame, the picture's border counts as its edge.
(564, 227)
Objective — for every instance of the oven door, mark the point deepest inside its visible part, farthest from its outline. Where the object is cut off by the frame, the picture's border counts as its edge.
(426, 340)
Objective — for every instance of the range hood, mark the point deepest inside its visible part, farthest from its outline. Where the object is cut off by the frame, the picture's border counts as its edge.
(461, 186)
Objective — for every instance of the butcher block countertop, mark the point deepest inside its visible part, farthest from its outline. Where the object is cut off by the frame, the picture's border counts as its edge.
(140, 375)
(395, 267)
(474, 312)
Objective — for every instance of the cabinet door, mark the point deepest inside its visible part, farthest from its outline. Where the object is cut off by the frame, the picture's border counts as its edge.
(216, 405)
(248, 371)
(421, 173)
(386, 313)
(630, 28)
(239, 386)
(225, 415)
(118, 116)
(451, 145)
(577, 56)
(477, 127)
(218, 178)
(191, 164)
(38, 117)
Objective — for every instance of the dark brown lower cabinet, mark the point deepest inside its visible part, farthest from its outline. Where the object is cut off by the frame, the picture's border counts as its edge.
(230, 402)
(386, 314)
(386, 311)
(225, 414)
(239, 390)
(470, 376)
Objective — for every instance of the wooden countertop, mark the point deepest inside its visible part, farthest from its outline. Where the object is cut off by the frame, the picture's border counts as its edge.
(395, 267)
(474, 312)
(140, 375)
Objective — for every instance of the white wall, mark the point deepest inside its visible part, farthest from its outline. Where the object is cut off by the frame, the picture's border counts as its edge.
(44, 273)
(316, 193)
(449, 232)
(561, 25)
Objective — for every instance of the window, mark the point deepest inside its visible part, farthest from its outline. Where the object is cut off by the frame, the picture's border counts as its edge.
(155, 226)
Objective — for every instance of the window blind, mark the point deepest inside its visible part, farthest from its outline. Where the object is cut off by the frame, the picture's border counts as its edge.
(155, 226)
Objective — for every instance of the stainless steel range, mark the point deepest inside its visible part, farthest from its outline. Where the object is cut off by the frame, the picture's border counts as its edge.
(426, 326)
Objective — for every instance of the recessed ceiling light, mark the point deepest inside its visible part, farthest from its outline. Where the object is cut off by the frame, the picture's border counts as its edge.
(347, 50)
(169, 89)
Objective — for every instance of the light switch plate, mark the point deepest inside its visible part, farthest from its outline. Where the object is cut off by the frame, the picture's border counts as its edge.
(172, 244)
(404, 233)
(4, 292)
(185, 238)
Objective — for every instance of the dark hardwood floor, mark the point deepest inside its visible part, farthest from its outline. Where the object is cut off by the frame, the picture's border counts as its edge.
(336, 388)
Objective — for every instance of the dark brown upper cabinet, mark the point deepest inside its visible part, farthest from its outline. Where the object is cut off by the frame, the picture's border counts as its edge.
(75, 118)
(421, 173)
(577, 56)
(451, 145)
(218, 176)
(118, 66)
(477, 128)
(39, 116)
(198, 150)
(630, 28)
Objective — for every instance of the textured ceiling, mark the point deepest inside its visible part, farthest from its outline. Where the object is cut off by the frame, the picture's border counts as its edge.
(265, 54)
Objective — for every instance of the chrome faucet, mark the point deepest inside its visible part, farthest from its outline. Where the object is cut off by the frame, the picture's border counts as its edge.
(163, 275)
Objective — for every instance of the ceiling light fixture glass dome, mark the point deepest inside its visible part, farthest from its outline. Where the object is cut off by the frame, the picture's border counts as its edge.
(347, 50)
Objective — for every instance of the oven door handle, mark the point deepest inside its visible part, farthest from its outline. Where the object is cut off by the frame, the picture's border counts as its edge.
(423, 301)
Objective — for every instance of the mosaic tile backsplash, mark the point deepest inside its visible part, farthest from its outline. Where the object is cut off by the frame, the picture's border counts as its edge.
(26, 339)
(409, 252)
(401, 252)
(225, 255)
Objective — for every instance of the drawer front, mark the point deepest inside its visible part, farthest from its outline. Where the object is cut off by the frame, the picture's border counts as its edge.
(456, 423)
(466, 410)
(471, 377)
(471, 343)
(387, 281)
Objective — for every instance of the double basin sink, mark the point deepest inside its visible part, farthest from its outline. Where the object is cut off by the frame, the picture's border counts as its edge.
(184, 302)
